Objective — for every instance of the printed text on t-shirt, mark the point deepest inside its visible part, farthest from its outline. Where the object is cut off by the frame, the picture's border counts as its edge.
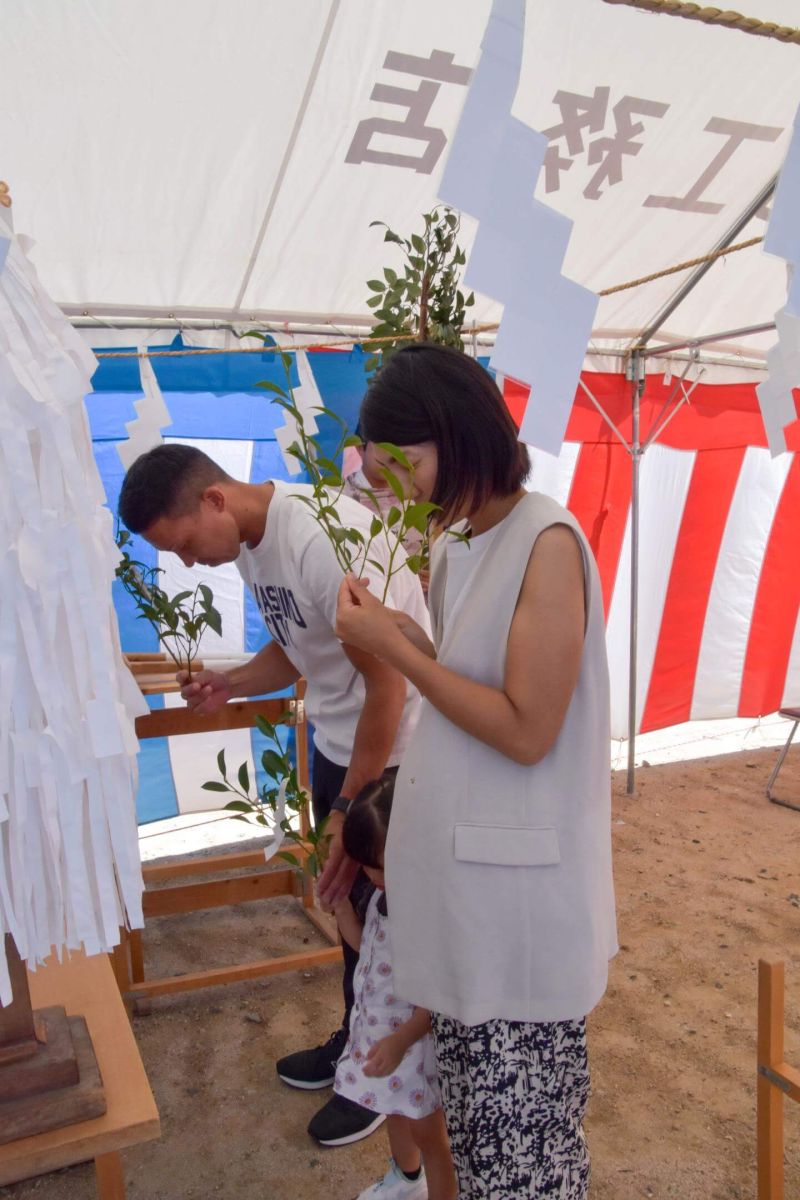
(280, 612)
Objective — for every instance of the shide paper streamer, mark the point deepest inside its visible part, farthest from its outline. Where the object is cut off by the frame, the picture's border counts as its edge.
(69, 859)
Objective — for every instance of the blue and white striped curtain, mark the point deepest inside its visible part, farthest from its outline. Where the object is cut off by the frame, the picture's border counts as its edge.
(214, 404)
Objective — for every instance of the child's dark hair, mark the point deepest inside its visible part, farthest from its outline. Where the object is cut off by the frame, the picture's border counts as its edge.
(367, 822)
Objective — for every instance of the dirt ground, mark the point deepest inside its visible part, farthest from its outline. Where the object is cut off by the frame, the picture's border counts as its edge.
(708, 880)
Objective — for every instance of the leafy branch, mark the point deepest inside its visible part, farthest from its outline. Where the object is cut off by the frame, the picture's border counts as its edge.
(279, 804)
(352, 547)
(178, 621)
(423, 301)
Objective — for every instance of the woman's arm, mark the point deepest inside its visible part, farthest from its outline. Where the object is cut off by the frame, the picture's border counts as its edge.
(523, 718)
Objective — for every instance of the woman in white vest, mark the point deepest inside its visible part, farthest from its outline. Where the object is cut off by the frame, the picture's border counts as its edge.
(498, 861)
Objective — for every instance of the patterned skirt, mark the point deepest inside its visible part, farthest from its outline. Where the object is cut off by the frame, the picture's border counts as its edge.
(514, 1095)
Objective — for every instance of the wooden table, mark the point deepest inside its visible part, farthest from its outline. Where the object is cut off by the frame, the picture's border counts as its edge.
(86, 986)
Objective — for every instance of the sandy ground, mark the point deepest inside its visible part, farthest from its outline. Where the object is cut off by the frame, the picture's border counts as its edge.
(708, 880)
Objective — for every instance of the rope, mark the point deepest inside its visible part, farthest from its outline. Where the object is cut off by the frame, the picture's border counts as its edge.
(370, 341)
(261, 349)
(684, 266)
(716, 16)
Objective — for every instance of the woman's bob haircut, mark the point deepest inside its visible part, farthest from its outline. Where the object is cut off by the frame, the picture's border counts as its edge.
(429, 393)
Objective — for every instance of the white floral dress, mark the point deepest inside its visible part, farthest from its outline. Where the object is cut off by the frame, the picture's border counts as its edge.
(412, 1090)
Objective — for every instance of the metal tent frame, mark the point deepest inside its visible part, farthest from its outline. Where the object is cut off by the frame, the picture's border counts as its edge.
(637, 356)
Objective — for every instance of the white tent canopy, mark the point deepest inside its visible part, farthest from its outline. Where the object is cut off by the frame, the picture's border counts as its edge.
(225, 159)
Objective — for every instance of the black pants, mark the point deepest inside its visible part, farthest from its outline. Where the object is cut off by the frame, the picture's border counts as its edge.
(326, 785)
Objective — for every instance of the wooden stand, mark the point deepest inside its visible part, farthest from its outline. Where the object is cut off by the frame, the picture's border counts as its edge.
(86, 985)
(48, 1070)
(776, 1079)
(260, 883)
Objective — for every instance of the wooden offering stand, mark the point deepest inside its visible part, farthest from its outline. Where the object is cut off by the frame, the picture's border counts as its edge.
(128, 1113)
(156, 675)
(48, 1070)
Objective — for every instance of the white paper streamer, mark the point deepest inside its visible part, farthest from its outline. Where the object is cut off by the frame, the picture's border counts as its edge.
(782, 239)
(272, 848)
(519, 249)
(152, 415)
(69, 859)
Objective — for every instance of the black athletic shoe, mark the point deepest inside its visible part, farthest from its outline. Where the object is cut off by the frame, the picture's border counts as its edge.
(341, 1122)
(310, 1069)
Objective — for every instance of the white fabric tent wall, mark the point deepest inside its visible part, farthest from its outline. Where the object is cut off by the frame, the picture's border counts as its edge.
(192, 157)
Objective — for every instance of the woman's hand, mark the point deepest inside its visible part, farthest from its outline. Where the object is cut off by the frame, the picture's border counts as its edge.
(361, 619)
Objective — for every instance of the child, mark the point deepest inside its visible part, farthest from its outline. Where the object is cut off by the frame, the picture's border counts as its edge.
(388, 1064)
(364, 483)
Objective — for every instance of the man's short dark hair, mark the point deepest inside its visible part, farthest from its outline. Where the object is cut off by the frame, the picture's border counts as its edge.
(430, 393)
(167, 481)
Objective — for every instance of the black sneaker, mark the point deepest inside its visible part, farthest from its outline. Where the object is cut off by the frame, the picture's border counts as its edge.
(341, 1122)
(311, 1069)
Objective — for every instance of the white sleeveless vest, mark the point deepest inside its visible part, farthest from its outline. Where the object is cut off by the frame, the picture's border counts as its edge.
(498, 875)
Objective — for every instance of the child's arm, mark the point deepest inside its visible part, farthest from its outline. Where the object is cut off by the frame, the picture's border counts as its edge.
(349, 925)
(387, 1054)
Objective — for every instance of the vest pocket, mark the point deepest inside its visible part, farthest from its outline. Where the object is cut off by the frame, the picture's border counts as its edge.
(507, 845)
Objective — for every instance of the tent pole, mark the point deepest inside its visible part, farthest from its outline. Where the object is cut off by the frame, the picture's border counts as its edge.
(637, 367)
(697, 274)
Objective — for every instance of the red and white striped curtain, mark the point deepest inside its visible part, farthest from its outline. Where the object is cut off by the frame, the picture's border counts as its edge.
(719, 548)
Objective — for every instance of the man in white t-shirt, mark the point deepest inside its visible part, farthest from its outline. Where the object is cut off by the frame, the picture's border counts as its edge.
(363, 711)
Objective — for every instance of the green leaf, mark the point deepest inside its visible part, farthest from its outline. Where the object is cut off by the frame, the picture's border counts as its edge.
(265, 728)
(214, 785)
(416, 515)
(394, 483)
(418, 243)
(244, 777)
(206, 593)
(238, 806)
(214, 621)
(274, 765)
(289, 858)
(393, 516)
(397, 454)
(376, 285)
(374, 301)
(376, 527)
(179, 599)
(221, 764)
(269, 386)
(391, 276)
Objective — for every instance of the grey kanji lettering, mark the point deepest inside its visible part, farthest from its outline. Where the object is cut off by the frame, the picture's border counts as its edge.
(578, 113)
(736, 133)
(435, 70)
(609, 151)
(583, 116)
